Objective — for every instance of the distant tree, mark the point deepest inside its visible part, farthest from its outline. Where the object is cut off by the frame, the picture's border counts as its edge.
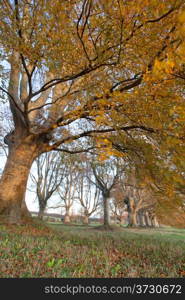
(140, 200)
(117, 204)
(88, 194)
(67, 191)
(106, 174)
(47, 177)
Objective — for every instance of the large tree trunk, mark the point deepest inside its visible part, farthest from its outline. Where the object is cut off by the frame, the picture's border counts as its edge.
(156, 224)
(132, 219)
(139, 219)
(122, 220)
(14, 180)
(132, 213)
(67, 219)
(41, 212)
(106, 211)
(85, 220)
(25, 213)
(147, 220)
(42, 205)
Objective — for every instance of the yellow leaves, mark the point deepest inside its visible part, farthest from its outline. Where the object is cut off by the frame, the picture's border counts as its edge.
(181, 20)
(181, 52)
(170, 191)
(160, 69)
(54, 126)
(181, 17)
(178, 114)
(103, 142)
(105, 149)
(103, 156)
(170, 64)
(147, 76)
(163, 66)
(107, 152)
(118, 153)
(179, 180)
(157, 65)
(100, 119)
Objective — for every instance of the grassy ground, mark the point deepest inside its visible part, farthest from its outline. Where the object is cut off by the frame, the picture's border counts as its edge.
(80, 251)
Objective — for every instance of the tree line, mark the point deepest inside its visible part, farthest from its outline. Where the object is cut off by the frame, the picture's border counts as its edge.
(108, 188)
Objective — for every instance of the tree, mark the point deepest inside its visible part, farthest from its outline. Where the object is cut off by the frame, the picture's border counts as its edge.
(134, 198)
(87, 193)
(67, 192)
(141, 206)
(70, 62)
(46, 82)
(48, 178)
(117, 205)
(106, 175)
(159, 165)
(5, 127)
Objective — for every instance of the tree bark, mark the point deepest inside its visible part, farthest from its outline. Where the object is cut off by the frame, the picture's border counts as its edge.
(106, 210)
(14, 180)
(86, 220)
(122, 220)
(132, 219)
(67, 218)
(41, 212)
(156, 224)
(147, 221)
(42, 205)
(141, 219)
(25, 213)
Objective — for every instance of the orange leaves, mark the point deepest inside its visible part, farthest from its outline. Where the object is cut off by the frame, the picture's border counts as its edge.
(100, 119)
(163, 66)
(33, 229)
(104, 145)
(105, 149)
(178, 113)
(181, 20)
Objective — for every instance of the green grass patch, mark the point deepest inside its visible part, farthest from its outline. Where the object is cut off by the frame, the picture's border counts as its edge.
(83, 251)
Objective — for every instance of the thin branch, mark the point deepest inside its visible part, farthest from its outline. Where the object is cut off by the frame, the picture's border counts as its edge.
(162, 16)
(56, 81)
(80, 36)
(7, 3)
(75, 151)
(53, 102)
(86, 71)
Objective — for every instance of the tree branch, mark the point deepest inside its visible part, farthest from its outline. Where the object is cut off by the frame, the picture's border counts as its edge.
(90, 133)
(75, 151)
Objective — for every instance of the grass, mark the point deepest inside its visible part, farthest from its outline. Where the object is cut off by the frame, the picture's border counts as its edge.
(82, 251)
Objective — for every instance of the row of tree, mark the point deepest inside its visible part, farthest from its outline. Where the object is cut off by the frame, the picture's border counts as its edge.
(96, 185)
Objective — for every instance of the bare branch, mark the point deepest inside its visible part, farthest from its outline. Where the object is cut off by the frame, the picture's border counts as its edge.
(90, 133)
(53, 102)
(75, 151)
(86, 7)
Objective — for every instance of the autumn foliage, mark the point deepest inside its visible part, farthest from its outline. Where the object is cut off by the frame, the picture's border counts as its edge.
(99, 74)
